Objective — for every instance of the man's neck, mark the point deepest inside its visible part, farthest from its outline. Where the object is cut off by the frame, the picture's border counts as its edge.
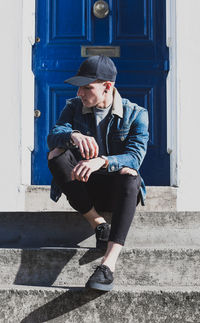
(106, 103)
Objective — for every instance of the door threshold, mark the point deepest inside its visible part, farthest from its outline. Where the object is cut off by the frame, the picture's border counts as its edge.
(159, 198)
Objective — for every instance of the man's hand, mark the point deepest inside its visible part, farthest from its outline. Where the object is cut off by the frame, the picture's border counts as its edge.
(84, 168)
(87, 145)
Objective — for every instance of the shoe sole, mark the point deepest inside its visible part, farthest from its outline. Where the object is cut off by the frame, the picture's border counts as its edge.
(99, 286)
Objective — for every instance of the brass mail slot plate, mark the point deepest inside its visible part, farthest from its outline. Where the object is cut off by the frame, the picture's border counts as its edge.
(111, 51)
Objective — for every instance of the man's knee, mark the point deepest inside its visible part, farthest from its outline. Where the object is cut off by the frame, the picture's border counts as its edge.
(128, 171)
(129, 183)
(56, 160)
(55, 153)
(61, 164)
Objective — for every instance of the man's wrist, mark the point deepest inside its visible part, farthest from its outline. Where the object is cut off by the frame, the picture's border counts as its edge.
(71, 139)
(106, 162)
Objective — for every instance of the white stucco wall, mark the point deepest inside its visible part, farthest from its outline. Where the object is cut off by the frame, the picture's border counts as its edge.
(17, 25)
(188, 103)
(10, 89)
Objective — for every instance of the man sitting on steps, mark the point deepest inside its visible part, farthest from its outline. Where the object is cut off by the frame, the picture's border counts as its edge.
(96, 149)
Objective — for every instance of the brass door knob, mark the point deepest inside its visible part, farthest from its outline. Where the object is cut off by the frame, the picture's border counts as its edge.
(100, 9)
(37, 113)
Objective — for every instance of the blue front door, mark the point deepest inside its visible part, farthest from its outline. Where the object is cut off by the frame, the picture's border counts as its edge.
(132, 32)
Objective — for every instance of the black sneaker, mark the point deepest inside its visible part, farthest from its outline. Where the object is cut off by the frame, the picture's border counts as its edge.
(102, 234)
(101, 279)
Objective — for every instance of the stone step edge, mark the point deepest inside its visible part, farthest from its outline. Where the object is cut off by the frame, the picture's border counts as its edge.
(116, 288)
(159, 198)
(124, 250)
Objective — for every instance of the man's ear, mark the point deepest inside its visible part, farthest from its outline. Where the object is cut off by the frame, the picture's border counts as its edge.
(108, 85)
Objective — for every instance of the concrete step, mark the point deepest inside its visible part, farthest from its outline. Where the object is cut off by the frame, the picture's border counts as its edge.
(72, 305)
(70, 229)
(70, 267)
(157, 274)
(159, 198)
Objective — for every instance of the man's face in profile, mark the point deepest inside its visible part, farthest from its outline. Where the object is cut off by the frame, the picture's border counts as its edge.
(93, 94)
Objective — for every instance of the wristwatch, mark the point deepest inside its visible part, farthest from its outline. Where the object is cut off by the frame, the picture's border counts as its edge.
(106, 161)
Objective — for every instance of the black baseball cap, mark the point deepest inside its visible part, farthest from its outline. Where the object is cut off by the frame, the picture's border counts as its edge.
(92, 69)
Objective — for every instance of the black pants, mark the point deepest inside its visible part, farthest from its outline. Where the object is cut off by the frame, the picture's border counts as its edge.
(104, 191)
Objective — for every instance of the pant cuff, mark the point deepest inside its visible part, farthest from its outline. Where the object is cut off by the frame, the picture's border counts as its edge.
(122, 242)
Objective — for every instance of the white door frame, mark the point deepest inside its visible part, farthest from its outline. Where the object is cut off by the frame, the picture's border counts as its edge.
(27, 104)
(172, 100)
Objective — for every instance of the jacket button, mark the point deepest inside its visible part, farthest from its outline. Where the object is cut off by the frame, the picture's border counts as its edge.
(122, 138)
(112, 167)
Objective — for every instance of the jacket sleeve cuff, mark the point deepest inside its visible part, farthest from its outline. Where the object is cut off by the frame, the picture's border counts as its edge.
(113, 165)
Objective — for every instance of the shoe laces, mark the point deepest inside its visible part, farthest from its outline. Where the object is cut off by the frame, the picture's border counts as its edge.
(103, 268)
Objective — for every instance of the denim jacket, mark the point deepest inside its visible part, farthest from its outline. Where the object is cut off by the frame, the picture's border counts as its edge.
(126, 138)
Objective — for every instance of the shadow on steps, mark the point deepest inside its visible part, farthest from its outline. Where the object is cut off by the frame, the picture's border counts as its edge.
(46, 267)
(72, 299)
(43, 229)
